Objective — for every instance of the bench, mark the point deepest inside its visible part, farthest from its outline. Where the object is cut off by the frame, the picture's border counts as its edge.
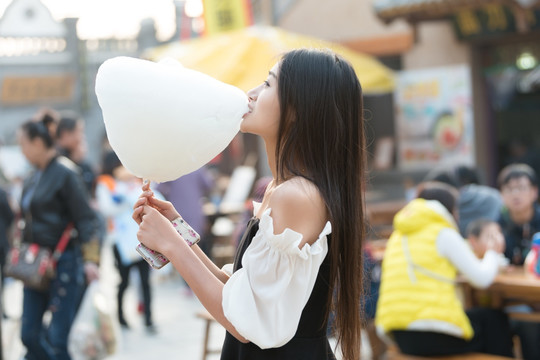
(391, 354)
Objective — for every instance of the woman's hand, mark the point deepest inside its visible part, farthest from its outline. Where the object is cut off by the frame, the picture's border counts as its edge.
(91, 270)
(156, 231)
(166, 208)
(493, 239)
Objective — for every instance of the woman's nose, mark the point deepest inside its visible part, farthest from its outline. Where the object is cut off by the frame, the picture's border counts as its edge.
(253, 94)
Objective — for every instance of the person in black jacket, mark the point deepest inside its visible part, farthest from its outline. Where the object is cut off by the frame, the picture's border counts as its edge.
(520, 220)
(54, 196)
(71, 143)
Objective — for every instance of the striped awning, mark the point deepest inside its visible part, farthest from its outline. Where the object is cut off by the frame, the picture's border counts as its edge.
(414, 10)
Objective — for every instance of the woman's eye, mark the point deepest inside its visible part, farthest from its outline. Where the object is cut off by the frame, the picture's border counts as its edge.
(266, 83)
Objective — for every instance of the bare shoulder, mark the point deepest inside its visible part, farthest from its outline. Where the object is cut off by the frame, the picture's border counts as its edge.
(297, 192)
(298, 205)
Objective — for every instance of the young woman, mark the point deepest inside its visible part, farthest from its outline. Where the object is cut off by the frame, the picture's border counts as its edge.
(301, 252)
(53, 196)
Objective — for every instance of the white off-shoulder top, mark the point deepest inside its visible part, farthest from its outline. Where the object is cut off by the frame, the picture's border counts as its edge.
(264, 299)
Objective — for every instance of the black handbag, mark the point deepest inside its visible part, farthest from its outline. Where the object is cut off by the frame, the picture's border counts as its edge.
(33, 264)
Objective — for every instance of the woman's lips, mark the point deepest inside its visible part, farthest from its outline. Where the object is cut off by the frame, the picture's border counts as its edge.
(250, 110)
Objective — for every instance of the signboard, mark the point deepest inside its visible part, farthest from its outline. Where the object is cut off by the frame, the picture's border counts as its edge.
(434, 118)
(491, 19)
(18, 91)
(225, 15)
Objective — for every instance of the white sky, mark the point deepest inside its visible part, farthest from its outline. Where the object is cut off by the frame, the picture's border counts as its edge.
(112, 18)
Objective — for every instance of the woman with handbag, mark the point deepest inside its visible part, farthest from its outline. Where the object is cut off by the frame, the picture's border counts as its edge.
(53, 197)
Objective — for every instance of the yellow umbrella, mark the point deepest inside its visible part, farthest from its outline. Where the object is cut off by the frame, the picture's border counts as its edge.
(242, 58)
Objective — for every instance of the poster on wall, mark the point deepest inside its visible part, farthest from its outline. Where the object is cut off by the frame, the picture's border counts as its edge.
(434, 118)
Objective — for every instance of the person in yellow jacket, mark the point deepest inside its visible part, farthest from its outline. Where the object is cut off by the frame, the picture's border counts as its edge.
(418, 307)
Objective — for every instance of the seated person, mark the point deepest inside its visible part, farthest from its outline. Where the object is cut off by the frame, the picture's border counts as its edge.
(418, 307)
(483, 234)
(520, 216)
(475, 200)
(520, 220)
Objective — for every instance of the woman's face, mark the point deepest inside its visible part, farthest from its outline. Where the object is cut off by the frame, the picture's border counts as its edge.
(264, 111)
(73, 139)
(33, 150)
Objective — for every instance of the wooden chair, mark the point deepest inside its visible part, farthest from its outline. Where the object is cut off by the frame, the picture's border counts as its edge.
(209, 319)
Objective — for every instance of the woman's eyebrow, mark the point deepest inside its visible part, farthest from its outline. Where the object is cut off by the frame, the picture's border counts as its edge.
(271, 73)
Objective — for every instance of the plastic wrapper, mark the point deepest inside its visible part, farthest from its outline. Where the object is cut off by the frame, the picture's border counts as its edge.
(94, 334)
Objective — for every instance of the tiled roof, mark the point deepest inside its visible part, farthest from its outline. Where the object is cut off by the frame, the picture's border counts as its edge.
(391, 9)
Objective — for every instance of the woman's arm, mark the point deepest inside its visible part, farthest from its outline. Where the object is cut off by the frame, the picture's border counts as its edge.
(167, 209)
(77, 201)
(157, 232)
(480, 273)
(220, 274)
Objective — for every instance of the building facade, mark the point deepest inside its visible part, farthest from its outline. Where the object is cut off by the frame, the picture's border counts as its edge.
(44, 64)
(498, 41)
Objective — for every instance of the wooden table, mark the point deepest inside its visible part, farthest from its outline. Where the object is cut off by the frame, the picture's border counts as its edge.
(510, 287)
(516, 284)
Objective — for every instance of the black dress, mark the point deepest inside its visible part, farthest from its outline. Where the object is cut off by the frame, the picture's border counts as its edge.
(310, 341)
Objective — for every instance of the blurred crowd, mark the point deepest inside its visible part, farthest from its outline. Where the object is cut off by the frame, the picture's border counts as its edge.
(63, 187)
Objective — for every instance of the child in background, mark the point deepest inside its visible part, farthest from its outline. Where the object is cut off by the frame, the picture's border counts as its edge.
(116, 192)
(483, 234)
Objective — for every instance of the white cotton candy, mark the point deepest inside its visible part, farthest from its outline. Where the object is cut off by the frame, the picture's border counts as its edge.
(164, 120)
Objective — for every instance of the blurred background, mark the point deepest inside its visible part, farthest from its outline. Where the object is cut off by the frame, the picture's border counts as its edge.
(445, 82)
(454, 81)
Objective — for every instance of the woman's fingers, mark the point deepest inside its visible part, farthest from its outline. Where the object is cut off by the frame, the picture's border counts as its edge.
(143, 198)
(157, 203)
(140, 202)
(138, 214)
(146, 185)
(147, 194)
(165, 207)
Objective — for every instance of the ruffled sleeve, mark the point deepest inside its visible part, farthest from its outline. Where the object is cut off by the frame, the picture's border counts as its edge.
(264, 299)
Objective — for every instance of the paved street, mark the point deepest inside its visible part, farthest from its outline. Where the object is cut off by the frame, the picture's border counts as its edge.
(180, 332)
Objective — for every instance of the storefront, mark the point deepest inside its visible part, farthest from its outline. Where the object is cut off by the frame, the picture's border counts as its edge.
(504, 60)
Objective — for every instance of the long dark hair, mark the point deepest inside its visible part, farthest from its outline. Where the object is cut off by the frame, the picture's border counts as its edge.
(321, 137)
